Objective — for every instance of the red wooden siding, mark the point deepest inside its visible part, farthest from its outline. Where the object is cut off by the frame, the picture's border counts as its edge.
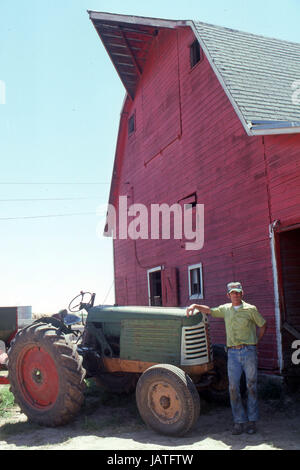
(189, 139)
(283, 159)
(160, 98)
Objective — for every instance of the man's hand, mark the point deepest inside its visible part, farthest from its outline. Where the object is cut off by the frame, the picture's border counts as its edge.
(191, 309)
(261, 332)
(201, 308)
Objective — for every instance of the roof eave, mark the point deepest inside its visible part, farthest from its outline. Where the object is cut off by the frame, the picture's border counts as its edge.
(127, 40)
(274, 127)
(295, 130)
(140, 20)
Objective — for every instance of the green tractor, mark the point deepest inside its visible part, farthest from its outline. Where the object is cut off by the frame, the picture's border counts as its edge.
(164, 356)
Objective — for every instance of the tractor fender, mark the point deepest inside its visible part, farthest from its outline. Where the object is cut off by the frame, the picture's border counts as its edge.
(52, 320)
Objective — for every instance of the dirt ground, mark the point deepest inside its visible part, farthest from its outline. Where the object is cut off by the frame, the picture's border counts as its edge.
(112, 423)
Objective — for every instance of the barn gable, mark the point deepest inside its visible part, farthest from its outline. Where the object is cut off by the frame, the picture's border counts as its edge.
(256, 73)
(128, 40)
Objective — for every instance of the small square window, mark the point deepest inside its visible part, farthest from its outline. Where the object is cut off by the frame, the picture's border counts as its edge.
(131, 124)
(195, 53)
(195, 281)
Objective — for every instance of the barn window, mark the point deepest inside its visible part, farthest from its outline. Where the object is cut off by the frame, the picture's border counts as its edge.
(195, 281)
(131, 124)
(195, 53)
(155, 286)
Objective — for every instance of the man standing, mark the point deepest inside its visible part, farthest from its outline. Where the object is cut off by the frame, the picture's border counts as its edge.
(241, 320)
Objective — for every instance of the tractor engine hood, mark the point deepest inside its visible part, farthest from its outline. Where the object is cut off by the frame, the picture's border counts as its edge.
(113, 313)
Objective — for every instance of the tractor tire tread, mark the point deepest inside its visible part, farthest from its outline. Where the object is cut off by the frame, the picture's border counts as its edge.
(69, 367)
(185, 388)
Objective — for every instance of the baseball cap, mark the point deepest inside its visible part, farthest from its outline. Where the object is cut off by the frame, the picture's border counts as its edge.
(234, 286)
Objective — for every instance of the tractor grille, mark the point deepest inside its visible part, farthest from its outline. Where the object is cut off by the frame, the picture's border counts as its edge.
(194, 345)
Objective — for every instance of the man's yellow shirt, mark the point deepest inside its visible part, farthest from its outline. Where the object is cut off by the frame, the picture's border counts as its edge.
(240, 324)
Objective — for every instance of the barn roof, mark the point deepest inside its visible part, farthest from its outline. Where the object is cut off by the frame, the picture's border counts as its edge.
(257, 73)
(127, 40)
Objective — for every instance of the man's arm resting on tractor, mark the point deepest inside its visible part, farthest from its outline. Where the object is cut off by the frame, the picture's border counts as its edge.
(200, 308)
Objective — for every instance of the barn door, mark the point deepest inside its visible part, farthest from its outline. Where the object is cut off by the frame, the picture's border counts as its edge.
(169, 287)
(289, 246)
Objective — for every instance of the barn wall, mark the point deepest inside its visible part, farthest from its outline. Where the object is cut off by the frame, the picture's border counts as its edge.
(282, 154)
(189, 139)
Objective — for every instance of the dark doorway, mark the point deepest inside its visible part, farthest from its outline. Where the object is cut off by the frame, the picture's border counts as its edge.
(289, 244)
(155, 289)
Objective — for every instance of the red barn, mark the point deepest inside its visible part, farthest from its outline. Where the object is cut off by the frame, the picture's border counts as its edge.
(211, 119)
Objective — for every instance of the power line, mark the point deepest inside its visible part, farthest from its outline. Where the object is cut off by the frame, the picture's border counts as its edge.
(45, 183)
(47, 216)
(49, 199)
(107, 293)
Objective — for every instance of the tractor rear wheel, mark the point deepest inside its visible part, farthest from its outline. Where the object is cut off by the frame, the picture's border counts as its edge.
(167, 400)
(46, 375)
(219, 390)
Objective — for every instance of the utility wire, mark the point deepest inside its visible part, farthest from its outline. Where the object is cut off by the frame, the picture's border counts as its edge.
(103, 303)
(49, 199)
(44, 183)
(48, 216)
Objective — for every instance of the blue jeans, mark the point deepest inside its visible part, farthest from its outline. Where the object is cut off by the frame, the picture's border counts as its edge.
(239, 360)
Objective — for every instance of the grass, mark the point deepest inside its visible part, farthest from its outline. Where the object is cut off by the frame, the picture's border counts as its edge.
(6, 401)
(7, 404)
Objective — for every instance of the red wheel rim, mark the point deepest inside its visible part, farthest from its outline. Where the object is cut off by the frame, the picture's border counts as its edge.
(38, 377)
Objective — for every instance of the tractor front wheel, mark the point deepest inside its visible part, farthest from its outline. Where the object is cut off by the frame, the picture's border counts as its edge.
(167, 400)
(46, 375)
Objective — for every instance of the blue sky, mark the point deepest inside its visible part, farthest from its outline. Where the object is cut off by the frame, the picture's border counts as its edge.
(58, 130)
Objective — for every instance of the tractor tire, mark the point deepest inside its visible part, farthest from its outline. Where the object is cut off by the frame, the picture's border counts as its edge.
(167, 400)
(46, 375)
(219, 390)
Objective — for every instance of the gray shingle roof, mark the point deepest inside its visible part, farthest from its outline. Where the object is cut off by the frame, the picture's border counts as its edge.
(258, 71)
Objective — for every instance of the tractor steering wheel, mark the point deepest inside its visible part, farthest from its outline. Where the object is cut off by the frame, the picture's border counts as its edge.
(76, 305)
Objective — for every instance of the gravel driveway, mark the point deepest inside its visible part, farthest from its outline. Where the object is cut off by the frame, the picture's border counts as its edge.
(112, 423)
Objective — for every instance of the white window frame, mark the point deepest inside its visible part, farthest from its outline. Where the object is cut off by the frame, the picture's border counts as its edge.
(190, 268)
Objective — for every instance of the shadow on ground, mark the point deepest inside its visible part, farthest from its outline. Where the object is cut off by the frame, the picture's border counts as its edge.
(112, 422)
